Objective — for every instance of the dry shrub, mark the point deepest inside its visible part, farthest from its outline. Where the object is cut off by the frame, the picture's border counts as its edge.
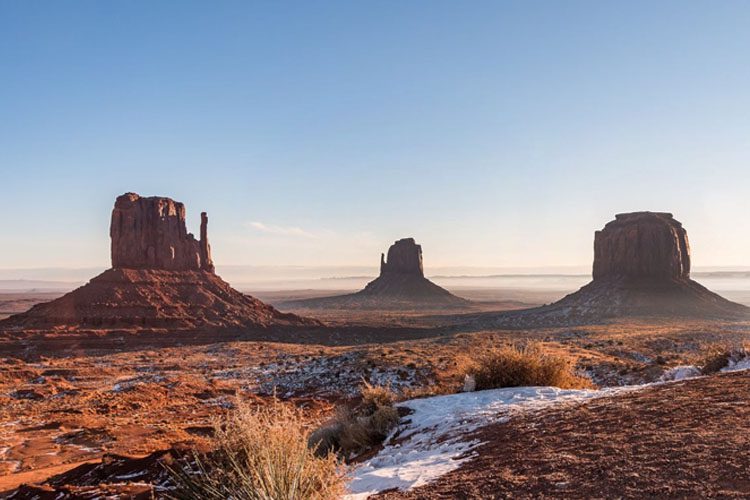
(718, 356)
(261, 454)
(355, 430)
(514, 366)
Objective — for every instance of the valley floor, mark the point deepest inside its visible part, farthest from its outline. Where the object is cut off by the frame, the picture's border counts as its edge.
(64, 402)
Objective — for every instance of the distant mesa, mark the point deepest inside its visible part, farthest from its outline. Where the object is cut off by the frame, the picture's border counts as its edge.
(401, 285)
(641, 268)
(161, 277)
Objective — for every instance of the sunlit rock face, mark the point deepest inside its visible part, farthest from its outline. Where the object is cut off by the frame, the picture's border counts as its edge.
(150, 233)
(642, 246)
(404, 257)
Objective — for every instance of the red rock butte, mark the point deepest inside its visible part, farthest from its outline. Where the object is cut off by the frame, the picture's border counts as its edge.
(404, 257)
(150, 233)
(400, 285)
(641, 268)
(642, 245)
(161, 277)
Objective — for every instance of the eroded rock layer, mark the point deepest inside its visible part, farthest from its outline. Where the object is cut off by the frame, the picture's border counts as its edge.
(642, 245)
(404, 257)
(150, 233)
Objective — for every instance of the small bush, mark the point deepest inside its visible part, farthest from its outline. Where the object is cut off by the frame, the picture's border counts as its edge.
(260, 454)
(514, 366)
(356, 430)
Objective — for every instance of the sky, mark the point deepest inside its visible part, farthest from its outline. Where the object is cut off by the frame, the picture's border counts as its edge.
(498, 134)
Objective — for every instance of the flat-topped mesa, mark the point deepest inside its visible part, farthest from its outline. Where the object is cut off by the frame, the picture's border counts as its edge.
(404, 257)
(642, 246)
(150, 233)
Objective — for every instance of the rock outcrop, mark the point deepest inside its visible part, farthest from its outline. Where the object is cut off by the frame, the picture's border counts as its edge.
(161, 277)
(642, 245)
(400, 285)
(641, 268)
(404, 257)
(150, 233)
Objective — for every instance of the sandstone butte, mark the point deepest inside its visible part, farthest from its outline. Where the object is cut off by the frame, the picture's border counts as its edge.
(641, 268)
(400, 285)
(161, 277)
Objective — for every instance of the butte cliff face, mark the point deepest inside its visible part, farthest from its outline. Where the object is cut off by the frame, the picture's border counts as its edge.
(150, 233)
(161, 277)
(641, 268)
(642, 246)
(400, 285)
(404, 257)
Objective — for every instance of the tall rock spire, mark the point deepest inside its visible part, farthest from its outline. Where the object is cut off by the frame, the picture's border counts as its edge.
(207, 264)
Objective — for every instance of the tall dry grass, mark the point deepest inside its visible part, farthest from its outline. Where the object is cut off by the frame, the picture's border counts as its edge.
(261, 453)
(514, 366)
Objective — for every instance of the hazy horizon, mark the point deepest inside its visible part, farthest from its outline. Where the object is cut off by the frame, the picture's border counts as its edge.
(278, 278)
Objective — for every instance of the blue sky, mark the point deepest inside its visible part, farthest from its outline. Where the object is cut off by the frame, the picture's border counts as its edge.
(316, 133)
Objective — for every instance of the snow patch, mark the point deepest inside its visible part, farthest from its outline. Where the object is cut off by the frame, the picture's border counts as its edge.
(433, 441)
(680, 373)
(324, 376)
(737, 365)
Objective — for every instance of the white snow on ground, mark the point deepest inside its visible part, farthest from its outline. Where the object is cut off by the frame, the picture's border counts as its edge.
(737, 365)
(432, 440)
(323, 376)
(680, 373)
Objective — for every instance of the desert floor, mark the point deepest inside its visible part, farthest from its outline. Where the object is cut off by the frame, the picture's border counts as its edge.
(66, 402)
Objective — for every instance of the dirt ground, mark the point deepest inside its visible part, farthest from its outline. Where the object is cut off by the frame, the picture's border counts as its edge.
(679, 440)
(65, 401)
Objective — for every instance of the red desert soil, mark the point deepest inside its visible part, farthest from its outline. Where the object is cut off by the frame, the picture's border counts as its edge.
(686, 440)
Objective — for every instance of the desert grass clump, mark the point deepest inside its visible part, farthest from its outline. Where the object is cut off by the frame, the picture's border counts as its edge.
(717, 357)
(355, 430)
(514, 366)
(261, 453)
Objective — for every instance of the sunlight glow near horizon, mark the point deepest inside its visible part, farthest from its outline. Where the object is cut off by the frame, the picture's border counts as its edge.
(498, 134)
